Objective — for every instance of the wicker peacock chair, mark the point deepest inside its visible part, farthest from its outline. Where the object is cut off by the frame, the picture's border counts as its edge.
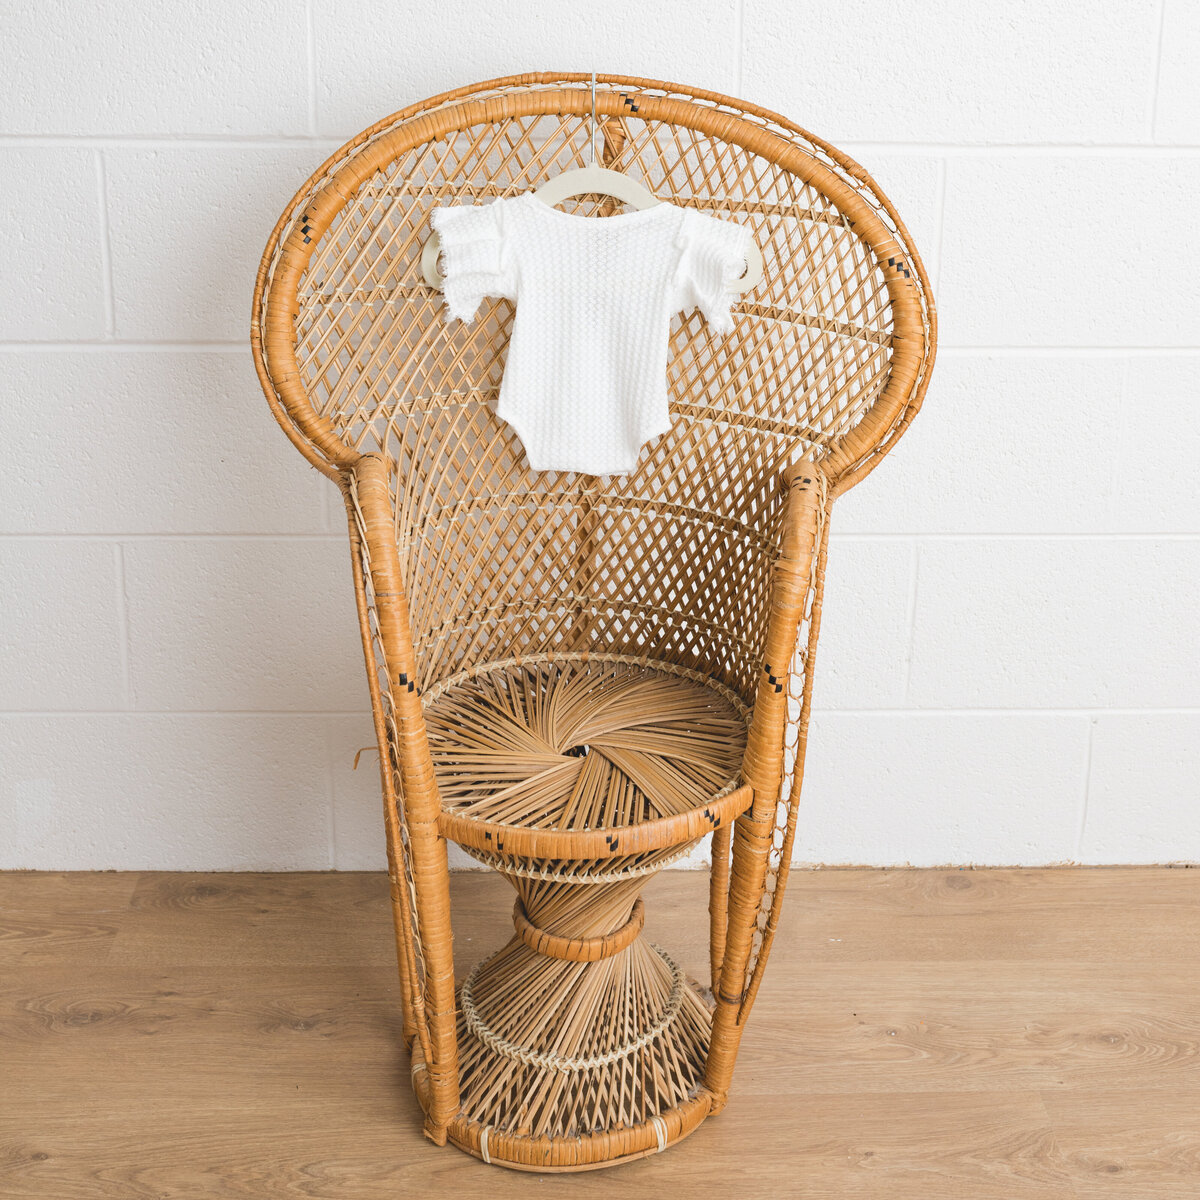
(575, 678)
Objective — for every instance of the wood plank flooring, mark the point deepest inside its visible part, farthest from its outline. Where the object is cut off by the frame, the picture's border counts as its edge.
(975, 1035)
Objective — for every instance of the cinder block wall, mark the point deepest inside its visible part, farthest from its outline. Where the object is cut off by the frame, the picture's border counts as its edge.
(1008, 670)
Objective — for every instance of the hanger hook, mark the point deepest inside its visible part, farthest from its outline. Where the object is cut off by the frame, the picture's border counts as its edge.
(592, 129)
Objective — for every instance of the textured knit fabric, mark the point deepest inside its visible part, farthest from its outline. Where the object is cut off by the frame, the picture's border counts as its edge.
(585, 381)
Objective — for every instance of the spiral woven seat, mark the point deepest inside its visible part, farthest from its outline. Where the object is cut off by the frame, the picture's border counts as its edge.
(566, 747)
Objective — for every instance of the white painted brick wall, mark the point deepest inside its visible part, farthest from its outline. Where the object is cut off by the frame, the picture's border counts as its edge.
(1008, 669)
(186, 230)
(948, 72)
(147, 440)
(1049, 250)
(52, 279)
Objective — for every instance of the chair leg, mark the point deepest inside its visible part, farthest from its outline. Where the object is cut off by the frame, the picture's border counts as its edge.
(423, 858)
(751, 846)
(411, 1009)
(750, 926)
(718, 903)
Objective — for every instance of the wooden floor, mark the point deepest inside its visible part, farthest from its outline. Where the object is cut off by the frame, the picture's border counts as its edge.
(975, 1035)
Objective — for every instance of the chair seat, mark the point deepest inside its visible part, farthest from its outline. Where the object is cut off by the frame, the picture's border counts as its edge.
(582, 746)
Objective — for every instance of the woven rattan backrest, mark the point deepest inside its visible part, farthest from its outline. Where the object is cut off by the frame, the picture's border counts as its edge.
(672, 563)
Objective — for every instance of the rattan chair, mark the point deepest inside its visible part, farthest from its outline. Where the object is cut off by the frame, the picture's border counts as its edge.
(577, 679)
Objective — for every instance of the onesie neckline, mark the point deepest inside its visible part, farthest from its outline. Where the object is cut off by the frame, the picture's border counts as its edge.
(579, 218)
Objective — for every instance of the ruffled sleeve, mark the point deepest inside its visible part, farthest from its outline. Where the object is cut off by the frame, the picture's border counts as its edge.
(473, 256)
(712, 255)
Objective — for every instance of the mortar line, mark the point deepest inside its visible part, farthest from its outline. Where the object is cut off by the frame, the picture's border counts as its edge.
(848, 536)
(1087, 783)
(106, 271)
(173, 537)
(124, 346)
(329, 797)
(310, 37)
(1018, 149)
(945, 350)
(943, 172)
(972, 713)
(912, 618)
(1158, 57)
(851, 146)
(124, 626)
(198, 141)
(1008, 350)
(739, 25)
(273, 713)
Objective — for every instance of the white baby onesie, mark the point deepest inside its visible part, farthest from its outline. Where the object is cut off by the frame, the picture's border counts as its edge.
(585, 382)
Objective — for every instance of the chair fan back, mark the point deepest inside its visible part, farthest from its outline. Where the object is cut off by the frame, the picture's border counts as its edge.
(671, 563)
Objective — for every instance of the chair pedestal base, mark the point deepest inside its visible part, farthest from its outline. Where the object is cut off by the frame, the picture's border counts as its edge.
(580, 1044)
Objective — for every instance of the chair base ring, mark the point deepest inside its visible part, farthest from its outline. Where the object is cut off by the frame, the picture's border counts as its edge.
(591, 949)
(562, 1155)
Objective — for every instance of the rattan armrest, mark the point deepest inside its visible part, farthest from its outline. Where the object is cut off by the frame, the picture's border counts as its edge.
(804, 507)
(373, 503)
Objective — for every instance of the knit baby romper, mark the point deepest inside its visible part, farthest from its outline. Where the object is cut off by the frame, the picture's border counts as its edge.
(585, 382)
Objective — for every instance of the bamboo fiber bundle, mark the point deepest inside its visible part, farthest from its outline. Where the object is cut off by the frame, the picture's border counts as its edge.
(578, 678)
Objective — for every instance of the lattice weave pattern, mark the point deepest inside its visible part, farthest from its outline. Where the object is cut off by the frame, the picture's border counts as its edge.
(379, 362)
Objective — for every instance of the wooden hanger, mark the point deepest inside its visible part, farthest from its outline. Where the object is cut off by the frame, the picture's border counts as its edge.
(593, 180)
